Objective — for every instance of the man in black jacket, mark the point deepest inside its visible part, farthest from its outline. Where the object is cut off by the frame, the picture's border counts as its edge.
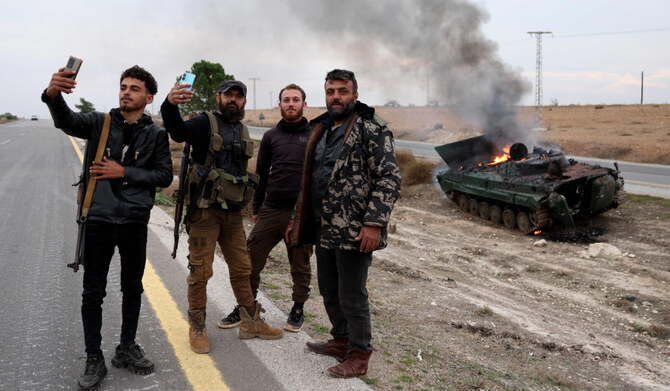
(135, 162)
(279, 167)
(218, 188)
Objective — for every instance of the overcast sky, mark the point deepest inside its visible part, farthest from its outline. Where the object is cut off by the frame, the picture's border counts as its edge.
(596, 53)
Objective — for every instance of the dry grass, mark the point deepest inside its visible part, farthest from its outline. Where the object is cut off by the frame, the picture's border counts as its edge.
(660, 332)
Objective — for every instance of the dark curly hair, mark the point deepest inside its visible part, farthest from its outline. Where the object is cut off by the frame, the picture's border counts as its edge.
(344, 75)
(140, 73)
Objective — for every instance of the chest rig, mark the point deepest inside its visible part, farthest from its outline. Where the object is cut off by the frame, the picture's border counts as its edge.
(209, 185)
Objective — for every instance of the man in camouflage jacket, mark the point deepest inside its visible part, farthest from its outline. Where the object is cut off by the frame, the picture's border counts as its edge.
(350, 183)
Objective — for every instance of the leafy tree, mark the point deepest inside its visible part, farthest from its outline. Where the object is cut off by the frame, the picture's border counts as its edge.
(208, 76)
(85, 106)
(8, 116)
(392, 103)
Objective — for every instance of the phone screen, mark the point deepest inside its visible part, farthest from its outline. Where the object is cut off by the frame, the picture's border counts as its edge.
(187, 78)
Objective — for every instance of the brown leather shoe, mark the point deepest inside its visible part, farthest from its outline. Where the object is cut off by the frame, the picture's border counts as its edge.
(336, 347)
(355, 365)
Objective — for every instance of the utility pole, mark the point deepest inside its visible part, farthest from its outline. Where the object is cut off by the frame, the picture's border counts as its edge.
(427, 89)
(642, 90)
(254, 79)
(538, 72)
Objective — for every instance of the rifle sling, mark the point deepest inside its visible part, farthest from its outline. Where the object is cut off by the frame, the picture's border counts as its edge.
(86, 206)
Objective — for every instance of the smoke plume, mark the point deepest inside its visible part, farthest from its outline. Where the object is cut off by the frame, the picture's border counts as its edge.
(412, 39)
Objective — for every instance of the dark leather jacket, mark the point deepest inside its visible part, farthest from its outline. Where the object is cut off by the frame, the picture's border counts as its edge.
(147, 162)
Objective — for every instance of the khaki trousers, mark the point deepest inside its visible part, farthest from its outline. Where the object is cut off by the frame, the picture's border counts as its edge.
(206, 228)
(267, 232)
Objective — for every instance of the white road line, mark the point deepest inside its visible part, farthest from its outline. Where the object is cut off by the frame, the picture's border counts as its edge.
(5, 142)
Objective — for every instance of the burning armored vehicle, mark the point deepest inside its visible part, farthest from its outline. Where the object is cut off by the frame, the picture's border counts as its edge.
(522, 190)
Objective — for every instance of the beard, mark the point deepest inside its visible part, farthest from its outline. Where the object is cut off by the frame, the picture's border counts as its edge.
(231, 112)
(293, 117)
(129, 106)
(338, 113)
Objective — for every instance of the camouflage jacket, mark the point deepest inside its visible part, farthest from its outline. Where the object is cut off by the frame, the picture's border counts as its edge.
(363, 187)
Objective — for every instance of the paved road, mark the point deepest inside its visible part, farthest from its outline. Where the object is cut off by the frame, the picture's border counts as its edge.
(649, 179)
(41, 338)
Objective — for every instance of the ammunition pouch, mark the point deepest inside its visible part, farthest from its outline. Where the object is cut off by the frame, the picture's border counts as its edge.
(220, 187)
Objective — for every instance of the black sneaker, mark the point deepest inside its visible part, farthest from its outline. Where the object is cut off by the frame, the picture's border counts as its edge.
(134, 359)
(232, 320)
(93, 373)
(295, 320)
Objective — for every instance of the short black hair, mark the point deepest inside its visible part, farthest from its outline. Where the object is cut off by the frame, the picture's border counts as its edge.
(344, 75)
(139, 73)
(293, 86)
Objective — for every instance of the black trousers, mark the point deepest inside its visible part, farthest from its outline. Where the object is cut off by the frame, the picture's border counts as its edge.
(343, 276)
(101, 239)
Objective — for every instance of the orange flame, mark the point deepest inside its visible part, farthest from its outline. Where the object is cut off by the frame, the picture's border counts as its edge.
(500, 158)
(537, 232)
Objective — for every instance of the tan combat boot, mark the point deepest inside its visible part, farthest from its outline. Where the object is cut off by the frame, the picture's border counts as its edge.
(252, 326)
(197, 333)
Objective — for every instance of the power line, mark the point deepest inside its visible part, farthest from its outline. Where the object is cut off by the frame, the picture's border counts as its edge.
(592, 35)
(613, 33)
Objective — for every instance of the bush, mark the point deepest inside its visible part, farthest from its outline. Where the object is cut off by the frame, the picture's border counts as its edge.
(413, 171)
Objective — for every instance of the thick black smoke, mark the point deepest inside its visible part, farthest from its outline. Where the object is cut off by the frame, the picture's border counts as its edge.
(415, 38)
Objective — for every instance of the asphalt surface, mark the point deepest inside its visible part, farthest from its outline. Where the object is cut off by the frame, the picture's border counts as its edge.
(41, 337)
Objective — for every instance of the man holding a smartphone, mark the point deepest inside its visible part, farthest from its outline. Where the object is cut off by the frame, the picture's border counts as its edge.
(219, 186)
(136, 161)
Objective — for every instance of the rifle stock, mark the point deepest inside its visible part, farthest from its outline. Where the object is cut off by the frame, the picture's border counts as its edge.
(79, 251)
(181, 194)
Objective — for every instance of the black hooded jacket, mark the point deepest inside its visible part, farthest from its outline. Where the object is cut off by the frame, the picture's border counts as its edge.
(147, 161)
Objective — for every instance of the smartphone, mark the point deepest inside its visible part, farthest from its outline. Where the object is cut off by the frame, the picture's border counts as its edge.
(187, 78)
(73, 64)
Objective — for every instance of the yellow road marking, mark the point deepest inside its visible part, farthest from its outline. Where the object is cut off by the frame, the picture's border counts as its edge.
(200, 369)
(76, 149)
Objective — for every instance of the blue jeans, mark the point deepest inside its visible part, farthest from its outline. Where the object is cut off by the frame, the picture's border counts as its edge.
(343, 276)
(101, 239)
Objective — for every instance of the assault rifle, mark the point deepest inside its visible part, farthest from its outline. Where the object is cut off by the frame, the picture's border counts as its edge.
(81, 231)
(181, 194)
(85, 193)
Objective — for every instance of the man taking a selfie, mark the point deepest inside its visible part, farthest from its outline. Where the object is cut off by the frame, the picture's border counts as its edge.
(136, 160)
(218, 187)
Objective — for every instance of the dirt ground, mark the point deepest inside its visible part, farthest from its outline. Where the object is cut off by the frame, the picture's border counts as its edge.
(458, 304)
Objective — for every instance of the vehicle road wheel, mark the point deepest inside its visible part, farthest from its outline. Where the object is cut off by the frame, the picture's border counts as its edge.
(495, 214)
(474, 207)
(539, 218)
(509, 218)
(463, 202)
(523, 221)
(484, 210)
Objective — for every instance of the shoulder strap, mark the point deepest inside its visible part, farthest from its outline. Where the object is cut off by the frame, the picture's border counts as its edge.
(98, 156)
(215, 140)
